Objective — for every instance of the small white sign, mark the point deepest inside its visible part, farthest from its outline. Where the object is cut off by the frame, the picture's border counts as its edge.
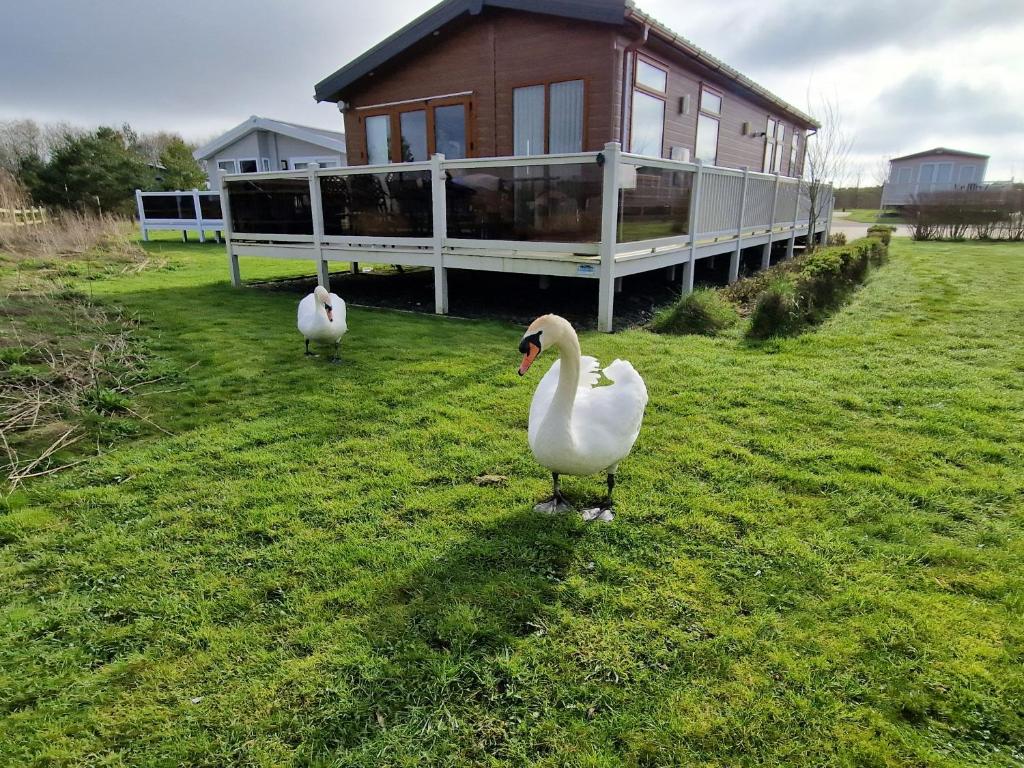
(585, 269)
(628, 176)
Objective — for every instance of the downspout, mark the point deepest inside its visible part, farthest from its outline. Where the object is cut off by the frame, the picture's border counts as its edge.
(629, 49)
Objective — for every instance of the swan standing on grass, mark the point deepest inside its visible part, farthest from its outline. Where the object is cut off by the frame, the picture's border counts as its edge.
(322, 319)
(577, 427)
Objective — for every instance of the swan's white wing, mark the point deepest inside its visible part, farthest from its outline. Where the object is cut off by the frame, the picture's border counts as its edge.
(606, 420)
(307, 309)
(589, 376)
(339, 312)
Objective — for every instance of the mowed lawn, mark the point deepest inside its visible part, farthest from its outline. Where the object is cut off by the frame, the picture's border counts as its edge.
(818, 557)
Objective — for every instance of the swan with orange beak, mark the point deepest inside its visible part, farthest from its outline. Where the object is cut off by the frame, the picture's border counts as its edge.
(577, 427)
(322, 319)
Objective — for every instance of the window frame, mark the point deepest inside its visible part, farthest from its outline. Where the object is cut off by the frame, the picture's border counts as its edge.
(546, 84)
(662, 96)
(234, 165)
(240, 160)
(716, 116)
(394, 114)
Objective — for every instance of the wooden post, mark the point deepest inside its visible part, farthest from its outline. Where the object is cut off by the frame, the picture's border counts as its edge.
(142, 215)
(766, 253)
(323, 273)
(828, 220)
(609, 235)
(734, 261)
(225, 210)
(695, 192)
(439, 198)
(199, 214)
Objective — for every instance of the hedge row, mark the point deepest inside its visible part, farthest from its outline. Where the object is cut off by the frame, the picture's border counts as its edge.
(784, 298)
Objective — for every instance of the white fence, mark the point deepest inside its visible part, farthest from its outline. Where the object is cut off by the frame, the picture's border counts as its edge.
(185, 211)
(22, 217)
(597, 215)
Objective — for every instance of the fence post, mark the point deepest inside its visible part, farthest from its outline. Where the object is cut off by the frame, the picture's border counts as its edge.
(831, 209)
(142, 215)
(199, 214)
(439, 202)
(316, 211)
(225, 211)
(766, 253)
(609, 235)
(792, 231)
(734, 262)
(689, 266)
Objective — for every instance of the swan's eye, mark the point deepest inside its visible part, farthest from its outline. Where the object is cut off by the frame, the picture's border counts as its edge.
(328, 307)
(533, 338)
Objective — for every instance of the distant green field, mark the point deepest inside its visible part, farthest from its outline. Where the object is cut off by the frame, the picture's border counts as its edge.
(817, 558)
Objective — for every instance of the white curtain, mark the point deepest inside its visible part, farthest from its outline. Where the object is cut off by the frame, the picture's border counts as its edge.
(566, 119)
(528, 120)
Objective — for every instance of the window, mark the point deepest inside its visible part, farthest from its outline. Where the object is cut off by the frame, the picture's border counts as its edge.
(414, 135)
(450, 131)
(906, 176)
(966, 174)
(248, 166)
(650, 76)
(707, 125)
(378, 139)
(647, 121)
(560, 130)
(647, 131)
(943, 173)
(528, 120)
(301, 163)
(227, 166)
(794, 154)
(565, 122)
(774, 147)
(266, 163)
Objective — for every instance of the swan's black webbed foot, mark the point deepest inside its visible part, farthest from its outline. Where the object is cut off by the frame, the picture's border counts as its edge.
(336, 360)
(308, 353)
(605, 510)
(557, 504)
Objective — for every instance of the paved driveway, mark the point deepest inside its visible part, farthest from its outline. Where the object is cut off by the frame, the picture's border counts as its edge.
(854, 229)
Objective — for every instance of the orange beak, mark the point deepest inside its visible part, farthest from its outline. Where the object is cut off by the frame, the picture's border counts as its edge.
(528, 359)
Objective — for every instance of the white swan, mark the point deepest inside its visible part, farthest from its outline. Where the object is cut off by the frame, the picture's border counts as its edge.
(322, 319)
(577, 427)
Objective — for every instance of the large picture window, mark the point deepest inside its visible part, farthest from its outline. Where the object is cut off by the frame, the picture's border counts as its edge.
(647, 119)
(707, 125)
(548, 118)
(410, 133)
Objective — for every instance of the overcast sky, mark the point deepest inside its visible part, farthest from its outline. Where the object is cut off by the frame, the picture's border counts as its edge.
(908, 74)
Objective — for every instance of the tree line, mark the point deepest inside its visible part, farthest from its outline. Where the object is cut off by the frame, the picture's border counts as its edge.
(94, 170)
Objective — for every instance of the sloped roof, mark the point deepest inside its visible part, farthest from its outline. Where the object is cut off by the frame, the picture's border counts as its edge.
(939, 151)
(332, 140)
(615, 12)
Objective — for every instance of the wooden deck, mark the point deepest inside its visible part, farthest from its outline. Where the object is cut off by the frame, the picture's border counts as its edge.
(608, 215)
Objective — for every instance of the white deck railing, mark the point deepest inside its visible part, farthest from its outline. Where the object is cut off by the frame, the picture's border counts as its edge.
(600, 215)
(185, 211)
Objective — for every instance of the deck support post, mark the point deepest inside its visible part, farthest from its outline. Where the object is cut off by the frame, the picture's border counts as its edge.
(689, 265)
(225, 211)
(734, 260)
(670, 274)
(790, 246)
(354, 268)
(323, 273)
(199, 214)
(544, 282)
(766, 252)
(438, 187)
(142, 215)
(609, 235)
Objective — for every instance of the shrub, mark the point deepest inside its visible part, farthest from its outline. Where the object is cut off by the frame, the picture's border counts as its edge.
(705, 311)
(837, 238)
(882, 232)
(776, 311)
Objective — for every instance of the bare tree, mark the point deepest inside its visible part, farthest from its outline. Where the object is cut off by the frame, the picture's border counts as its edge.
(880, 170)
(827, 155)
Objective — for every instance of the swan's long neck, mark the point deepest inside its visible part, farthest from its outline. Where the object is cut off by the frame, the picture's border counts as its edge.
(569, 374)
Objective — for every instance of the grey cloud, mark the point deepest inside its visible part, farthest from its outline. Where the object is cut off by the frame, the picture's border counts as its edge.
(792, 32)
(923, 108)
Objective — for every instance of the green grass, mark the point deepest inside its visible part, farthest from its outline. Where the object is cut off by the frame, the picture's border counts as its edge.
(817, 558)
(871, 216)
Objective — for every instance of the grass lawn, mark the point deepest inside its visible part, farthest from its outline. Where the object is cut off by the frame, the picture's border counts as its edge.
(817, 558)
(871, 216)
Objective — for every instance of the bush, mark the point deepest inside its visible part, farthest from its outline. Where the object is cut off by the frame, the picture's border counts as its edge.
(882, 232)
(776, 311)
(837, 238)
(705, 311)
